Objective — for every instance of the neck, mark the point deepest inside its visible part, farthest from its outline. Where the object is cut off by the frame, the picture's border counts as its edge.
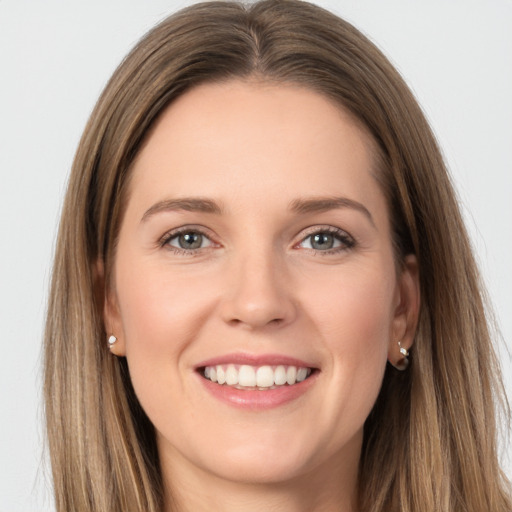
(330, 488)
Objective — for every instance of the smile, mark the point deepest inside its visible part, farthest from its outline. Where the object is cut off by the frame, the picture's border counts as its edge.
(257, 382)
(248, 377)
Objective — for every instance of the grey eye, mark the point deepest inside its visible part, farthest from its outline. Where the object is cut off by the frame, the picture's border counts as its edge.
(322, 241)
(189, 240)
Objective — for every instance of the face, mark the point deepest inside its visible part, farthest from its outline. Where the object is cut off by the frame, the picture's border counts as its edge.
(255, 292)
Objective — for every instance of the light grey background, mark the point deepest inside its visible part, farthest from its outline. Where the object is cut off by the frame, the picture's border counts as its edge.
(56, 56)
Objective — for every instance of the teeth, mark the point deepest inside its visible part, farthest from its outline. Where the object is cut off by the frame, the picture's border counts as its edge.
(261, 377)
(280, 376)
(231, 376)
(264, 377)
(246, 376)
(302, 373)
(291, 375)
(221, 374)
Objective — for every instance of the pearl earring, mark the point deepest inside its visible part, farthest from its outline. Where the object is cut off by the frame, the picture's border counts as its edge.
(111, 340)
(402, 363)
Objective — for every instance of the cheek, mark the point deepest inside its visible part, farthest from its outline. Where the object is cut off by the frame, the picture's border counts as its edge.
(355, 309)
(161, 314)
(159, 309)
(355, 320)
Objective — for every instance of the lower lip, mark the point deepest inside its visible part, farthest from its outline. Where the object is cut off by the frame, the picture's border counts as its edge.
(254, 399)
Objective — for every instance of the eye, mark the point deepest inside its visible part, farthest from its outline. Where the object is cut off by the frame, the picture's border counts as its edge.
(321, 241)
(188, 240)
(327, 240)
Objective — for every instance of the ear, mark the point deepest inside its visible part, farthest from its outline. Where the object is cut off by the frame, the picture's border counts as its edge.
(407, 307)
(106, 296)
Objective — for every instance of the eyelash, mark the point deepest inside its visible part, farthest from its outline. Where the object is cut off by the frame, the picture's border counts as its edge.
(170, 235)
(347, 241)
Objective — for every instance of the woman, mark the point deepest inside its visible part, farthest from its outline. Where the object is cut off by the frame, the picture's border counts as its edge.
(258, 218)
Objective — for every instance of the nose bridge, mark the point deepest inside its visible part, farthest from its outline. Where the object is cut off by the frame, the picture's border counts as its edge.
(260, 291)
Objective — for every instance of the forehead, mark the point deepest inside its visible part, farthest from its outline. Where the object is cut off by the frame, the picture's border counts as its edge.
(253, 139)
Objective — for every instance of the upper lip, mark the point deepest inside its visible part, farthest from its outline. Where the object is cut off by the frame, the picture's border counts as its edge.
(255, 360)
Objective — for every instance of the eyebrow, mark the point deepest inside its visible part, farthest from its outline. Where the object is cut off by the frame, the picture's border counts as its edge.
(300, 206)
(189, 204)
(323, 204)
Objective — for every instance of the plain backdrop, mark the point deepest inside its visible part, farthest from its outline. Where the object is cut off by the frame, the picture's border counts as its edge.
(55, 58)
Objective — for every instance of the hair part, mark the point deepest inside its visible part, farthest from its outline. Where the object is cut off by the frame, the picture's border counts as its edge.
(434, 425)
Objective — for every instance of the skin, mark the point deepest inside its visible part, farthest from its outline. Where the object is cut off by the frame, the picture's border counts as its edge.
(257, 286)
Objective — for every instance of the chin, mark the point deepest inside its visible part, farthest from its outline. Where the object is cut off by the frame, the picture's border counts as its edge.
(260, 467)
(251, 457)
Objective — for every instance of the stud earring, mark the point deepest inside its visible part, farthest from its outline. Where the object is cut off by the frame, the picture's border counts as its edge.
(111, 340)
(402, 363)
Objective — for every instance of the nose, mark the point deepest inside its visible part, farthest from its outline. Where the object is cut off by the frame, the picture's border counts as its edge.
(259, 293)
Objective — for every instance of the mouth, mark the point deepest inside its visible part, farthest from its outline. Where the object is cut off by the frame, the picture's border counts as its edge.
(256, 382)
(256, 377)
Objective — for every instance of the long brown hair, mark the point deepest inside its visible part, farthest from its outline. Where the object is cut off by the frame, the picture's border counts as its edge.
(430, 441)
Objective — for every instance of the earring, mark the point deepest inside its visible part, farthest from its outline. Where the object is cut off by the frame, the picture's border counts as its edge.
(402, 363)
(111, 340)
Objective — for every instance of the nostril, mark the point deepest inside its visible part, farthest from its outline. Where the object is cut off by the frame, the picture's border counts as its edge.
(253, 322)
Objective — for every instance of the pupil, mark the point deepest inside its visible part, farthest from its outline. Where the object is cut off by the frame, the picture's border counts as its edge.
(322, 241)
(190, 240)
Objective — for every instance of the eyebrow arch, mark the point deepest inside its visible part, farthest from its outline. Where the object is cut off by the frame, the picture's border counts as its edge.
(189, 204)
(323, 204)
